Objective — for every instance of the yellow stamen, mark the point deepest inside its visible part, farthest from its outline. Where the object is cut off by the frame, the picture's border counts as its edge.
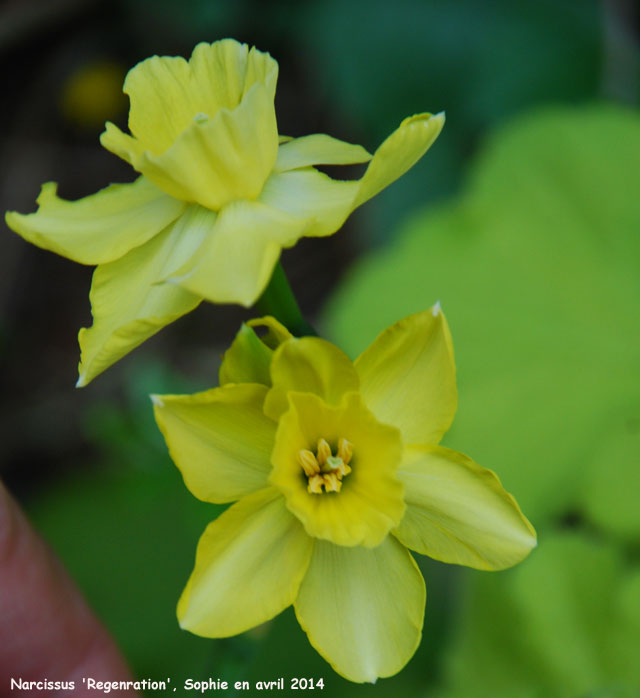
(315, 484)
(324, 451)
(308, 462)
(323, 469)
(345, 450)
(343, 470)
(332, 483)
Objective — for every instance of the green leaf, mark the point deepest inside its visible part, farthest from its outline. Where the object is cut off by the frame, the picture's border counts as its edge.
(557, 625)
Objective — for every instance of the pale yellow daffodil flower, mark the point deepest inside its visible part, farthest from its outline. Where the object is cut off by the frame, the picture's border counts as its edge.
(338, 472)
(220, 194)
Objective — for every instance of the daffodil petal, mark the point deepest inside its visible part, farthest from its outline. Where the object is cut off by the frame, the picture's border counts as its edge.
(407, 377)
(458, 512)
(220, 440)
(129, 304)
(248, 358)
(213, 160)
(161, 103)
(167, 92)
(249, 565)
(311, 365)
(276, 332)
(310, 194)
(363, 608)
(370, 502)
(399, 153)
(236, 261)
(99, 228)
(318, 149)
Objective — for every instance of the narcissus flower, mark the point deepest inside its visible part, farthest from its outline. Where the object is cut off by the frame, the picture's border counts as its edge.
(220, 194)
(338, 472)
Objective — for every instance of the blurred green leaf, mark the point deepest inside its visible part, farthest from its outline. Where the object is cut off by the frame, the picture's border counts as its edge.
(554, 626)
(481, 63)
(537, 270)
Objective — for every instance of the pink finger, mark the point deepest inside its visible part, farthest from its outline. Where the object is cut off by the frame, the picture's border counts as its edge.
(47, 631)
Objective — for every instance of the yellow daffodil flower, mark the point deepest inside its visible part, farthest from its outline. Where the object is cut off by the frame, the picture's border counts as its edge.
(220, 194)
(338, 472)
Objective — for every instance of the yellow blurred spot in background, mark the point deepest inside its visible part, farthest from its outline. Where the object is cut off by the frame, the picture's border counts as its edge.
(93, 94)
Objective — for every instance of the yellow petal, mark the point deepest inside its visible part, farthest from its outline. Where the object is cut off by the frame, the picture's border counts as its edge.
(237, 259)
(220, 440)
(215, 159)
(407, 377)
(318, 149)
(167, 92)
(399, 153)
(310, 365)
(249, 357)
(309, 194)
(458, 512)
(129, 304)
(276, 333)
(249, 565)
(363, 608)
(370, 501)
(247, 360)
(99, 228)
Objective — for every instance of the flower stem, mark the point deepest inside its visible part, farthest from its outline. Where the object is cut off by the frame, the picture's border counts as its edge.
(278, 300)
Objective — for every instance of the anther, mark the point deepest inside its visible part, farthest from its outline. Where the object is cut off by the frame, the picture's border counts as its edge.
(308, 462)
(332, 483)
(324, 451)
(345, 450)
(315, 484)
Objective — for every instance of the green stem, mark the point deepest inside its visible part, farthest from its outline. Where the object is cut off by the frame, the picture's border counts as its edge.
(278, 300)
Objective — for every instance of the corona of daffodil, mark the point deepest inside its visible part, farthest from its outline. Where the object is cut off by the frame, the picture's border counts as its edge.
(338, 474)
(220, 194)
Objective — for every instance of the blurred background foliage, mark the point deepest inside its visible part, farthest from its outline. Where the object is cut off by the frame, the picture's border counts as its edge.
(523, 220)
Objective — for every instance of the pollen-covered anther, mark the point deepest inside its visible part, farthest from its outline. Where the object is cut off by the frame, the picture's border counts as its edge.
(308, 462)
(323, 469)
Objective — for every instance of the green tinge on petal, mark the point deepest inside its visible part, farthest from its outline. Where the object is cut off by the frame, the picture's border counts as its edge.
(276, 333)
(220, 440)
(310, 194)
(363, 609)
(399, 153)
(249, 357)
(407, 377)
(309, 365)
(99, 228)
(458, 512)
(166, 93)
(370, 502)
(237, 259)
(213, 160)
(130, 304)
(247, 360)
(249, 565)
(318, 149)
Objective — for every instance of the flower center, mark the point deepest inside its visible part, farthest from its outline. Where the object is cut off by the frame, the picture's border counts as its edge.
(323, 469)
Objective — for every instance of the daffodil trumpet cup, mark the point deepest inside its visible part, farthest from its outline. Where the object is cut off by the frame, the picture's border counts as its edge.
(337, 474)
(220, 194)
